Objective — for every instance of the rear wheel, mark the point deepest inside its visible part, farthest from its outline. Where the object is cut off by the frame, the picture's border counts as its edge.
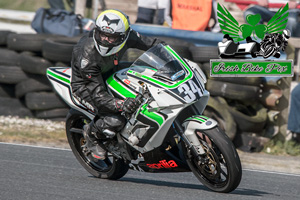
(221, 171)
(110, 168)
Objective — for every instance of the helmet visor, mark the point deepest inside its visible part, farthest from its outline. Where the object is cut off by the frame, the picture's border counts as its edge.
(108, 39)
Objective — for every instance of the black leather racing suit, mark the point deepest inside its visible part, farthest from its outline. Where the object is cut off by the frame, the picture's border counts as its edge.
(90, 70)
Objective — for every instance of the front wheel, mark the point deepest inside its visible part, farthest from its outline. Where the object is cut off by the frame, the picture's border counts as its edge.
(269, 51)
(110, 168)
(222, 170)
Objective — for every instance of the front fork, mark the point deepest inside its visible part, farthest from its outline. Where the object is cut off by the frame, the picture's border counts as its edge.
(187, 132)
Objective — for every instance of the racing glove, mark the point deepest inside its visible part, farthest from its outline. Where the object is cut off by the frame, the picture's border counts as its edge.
(129, 105)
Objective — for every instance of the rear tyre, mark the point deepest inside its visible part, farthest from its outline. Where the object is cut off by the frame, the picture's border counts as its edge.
(223, 171)
(110, 168)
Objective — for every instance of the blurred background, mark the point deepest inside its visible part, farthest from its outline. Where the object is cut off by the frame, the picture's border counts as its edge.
(253, 111)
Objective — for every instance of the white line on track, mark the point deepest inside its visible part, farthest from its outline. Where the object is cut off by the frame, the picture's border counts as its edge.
(34, 146)
(272, 172)
(62, 149)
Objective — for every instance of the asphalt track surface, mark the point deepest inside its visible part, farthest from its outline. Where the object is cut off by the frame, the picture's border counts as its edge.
(38, 173)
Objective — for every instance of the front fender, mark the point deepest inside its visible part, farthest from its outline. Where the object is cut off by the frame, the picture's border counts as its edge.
(199, 122)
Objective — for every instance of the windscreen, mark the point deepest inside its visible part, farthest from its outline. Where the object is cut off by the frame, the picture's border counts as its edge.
(162, 61)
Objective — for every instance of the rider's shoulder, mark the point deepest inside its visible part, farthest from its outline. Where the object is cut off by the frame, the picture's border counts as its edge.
(86, 46)
(89, 46)
(133, 35)
(84, 51)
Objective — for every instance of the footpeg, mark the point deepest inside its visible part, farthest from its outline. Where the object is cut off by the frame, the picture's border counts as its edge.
(109, 133)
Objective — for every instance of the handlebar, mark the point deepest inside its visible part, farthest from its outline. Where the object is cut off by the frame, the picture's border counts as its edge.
(138, 98)
(143, 93)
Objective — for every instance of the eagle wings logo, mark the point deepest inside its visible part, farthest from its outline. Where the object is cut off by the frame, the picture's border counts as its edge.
(230, 26)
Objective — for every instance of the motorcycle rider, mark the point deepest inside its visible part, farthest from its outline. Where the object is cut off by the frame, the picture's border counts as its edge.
(95, 57)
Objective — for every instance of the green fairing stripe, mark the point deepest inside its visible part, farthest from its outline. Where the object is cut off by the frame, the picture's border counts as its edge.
(58, 77)
(119, 88)
(207, 118)
(198, 118)
(161, 83)
(152, 115)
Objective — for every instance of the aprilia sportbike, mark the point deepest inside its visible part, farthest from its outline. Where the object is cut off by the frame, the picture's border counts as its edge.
(167, 133)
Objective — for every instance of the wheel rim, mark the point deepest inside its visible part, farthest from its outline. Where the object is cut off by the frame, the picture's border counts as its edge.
(75, 134)
(215, 170)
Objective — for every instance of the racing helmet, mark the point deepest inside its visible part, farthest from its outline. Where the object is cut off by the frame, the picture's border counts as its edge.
(111, 32)
(286, 34)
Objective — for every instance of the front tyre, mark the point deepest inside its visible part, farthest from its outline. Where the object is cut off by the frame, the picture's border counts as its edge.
(269, 51)
(222, 170)
(110, 168)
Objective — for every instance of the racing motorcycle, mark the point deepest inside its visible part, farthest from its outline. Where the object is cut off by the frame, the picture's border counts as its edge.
(271, 46)
(167, 133)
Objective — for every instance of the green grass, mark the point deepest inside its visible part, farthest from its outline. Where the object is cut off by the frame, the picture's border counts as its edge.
(277, 147)
(24, 5)
(31, 134)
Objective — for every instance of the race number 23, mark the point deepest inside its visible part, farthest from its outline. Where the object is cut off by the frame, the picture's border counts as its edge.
(189, 90)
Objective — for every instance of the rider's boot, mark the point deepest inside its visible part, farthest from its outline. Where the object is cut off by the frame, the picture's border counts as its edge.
(94, 147)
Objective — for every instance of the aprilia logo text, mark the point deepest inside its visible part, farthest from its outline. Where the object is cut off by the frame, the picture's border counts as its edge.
(163, 164)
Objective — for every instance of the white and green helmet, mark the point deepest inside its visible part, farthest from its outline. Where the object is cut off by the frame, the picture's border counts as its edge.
(114, 26)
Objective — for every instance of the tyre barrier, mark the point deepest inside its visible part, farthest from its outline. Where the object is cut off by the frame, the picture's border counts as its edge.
(9, 57)
(205, 68)
(32, 84)
(27, 42)
(232, 90)
(273, 116)
(217, 109)
(12, 74)
(3, 37)
(240, 105)
(180, 46)
(43, 101)
(251, 118)
(7, 90)
(251, 81)
(250, 142)
(15, 107)
(24, 88)
(59, 49)
(203, 54)
(34, 64)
